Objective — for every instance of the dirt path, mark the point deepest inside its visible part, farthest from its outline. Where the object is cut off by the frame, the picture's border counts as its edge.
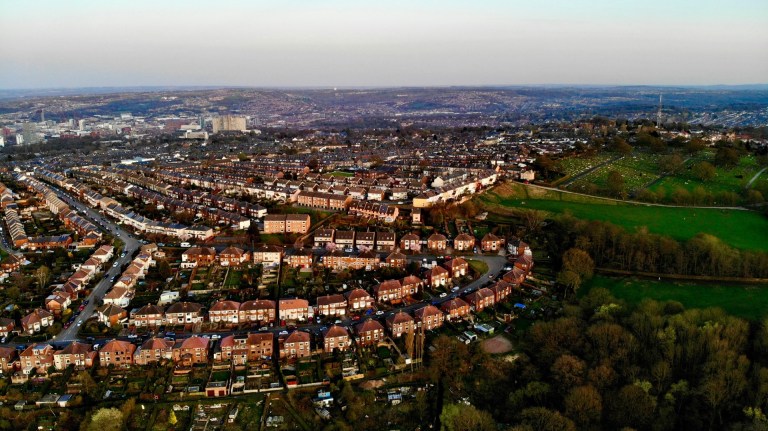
(630, 202)
(749, 184)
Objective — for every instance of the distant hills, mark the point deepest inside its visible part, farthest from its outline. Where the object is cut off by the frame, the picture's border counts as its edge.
(729, 105)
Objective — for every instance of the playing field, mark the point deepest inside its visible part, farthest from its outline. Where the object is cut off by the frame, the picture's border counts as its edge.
(747, 301)
(739, 228)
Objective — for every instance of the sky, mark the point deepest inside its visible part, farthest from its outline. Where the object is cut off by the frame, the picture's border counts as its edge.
(344, 43)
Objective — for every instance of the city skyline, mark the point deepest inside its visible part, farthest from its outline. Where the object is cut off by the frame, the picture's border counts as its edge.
(353, 44)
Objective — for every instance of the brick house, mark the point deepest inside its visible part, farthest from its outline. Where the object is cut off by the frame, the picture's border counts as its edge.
(345, 239)
(260, 311)
(359, 300)
(268, 255)
(463, 242)
(369, 333)
(201, 256)
(6, 326)
(430, 317)
(331, 305)
(411, 285)
(293, 309)
(225, 311)
(336, 337)
(481, 299)
(438, 276)
(323, 237)
(110, 314)
(396, 260)
(8, 357)
(524, 262)
(182, 313)
(437, 243)
(78, 354)
(455, 309)
(38, 357)
(274, 223)
(457, 267)
(365, 240)
(117, 353)
(36, 321)
(233, 256)
(57, 302)
(153, 350)
(295, 345)
(400, 323)
(515, 276)
(297, 223)
(501, 290)
(246, 348)
(385, 241)
(388, 291)
(410, 241)
(191, 351)
(149, 316)
(491, 243)
(301, 258)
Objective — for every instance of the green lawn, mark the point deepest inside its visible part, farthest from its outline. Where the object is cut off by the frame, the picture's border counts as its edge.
(747, 301)
(342, 174)
(233, 278)
(478, 266)
(741, 229)
(726, 179)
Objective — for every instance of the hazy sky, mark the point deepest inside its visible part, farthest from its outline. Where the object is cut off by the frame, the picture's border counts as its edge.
(387, 43)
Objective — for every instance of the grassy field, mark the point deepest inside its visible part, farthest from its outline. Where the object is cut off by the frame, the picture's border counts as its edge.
(747, 301)
(741, 229)
(726, 180)
(342, 174)
(637, 169)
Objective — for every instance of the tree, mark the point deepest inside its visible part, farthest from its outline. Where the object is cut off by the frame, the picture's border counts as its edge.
(172, 418)
(532, 219)
(633, 407)
(615, 183)
(42, 276)
(106, 419)
(164, 269)
(569, 279)
(584, 405)
(89, 385)
(695, 145)
(726, 156)
(462, 417)
(621, 146)
(542, 419)
(568, 371)
(671, 163)
(704, 171)
(544, 165)
(578, 266)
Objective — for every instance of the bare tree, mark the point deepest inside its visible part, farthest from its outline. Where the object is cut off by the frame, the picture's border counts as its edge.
(43, 276)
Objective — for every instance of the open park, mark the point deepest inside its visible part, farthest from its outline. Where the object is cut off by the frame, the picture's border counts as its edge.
(739, 228)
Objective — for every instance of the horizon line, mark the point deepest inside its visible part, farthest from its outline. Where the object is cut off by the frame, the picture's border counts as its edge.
(379, 87)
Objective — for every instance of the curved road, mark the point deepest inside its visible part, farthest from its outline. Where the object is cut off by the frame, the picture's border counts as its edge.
(131, 245)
